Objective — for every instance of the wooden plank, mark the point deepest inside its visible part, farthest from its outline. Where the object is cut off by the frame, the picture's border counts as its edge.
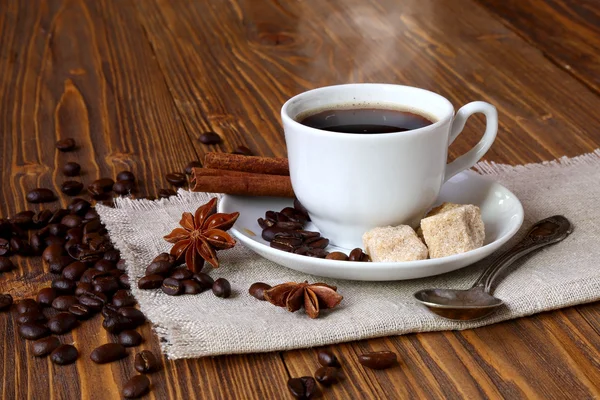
(566, 31)
(85, 70)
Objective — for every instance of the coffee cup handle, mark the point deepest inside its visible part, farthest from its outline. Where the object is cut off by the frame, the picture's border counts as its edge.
(471, 157)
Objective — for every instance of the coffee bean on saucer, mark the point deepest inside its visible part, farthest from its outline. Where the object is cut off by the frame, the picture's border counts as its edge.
(71, 188)
(317, 242)
(46, 296)
(327, 358)
(108, 352)
(221, 288)
(6, 264)
(204, 280)
(136, 386)
(33, 330)
(64, 354)
(67, 144)
(190, 286)
(80, 311)
(126, 176)
(358, 255)
(71, 169)
(166, 193)
(41, 195)
(130, 338)
(6, 301)
(123, 187)
(27, 305)
(146, 362)
(337, 255)
(150, 282)
(43, 347)
(327, 376)
(242, 150)
(209, 138)
(303, 388)
(257, 290)
(190, 167)
(62, 323)
(176, 179)
(378, 359)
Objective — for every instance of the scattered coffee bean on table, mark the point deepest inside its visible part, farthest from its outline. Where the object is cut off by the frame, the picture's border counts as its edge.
(62, 303)
(209, 138)
(257, 290)
(126, 176)
(122, 298)
(123, 187)
(27, 305)
(190, 167)
(64, 354)
(327, 358)
(176, 179)
(303, 388)
(62, 323)
(33, 330)
(145, 362)
(378, 359)
(130, 338)
(80, 311)
(45, 346)
(6, 301)
(67, 144)
(101, 186)
(41, 195)
(71, 188)
(133, 314)
(242, 150)
(166, 193)
(46, 296)
(108, 352)
(31, 316)
(221, 288)
(71, 169)
(136, 387)
(327, 376)
(6, 264)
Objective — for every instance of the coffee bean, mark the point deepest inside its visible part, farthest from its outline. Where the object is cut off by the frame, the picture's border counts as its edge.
(378, 359)
(172, 287)
(106, 284)
(130, 338)
(93, 225)
(81, 207)
(23, 219)
(123, 299)
(191, 165)
(91, 214)
(104, 265)
(165, 257)
(269, 233)
(337, 255)
(33, 330)
(327, 376)
(118, 323)
(221, 288)
(204, 280)
(90, 274)
(71, 188)
(37, 244)
(150, 282)
(291, 225)
(63, 285)
(126, 176)
(286, 244)
(160, 267)
(110, 310)
(6, 264)
(146, 362)
(43, 347)
(122, 265)
(123, 187)
(257, 290)
(242, 150)
(56, 267)
(93, 300)
(209, 138)
(113, 256)
(124, 281)
(327, 358)
(108, 352)
(46, 296)
(190, 286)
(166, 193)
(52, 253)
(303, 388)
(317, 243)
(80, 311)
(67, 144)
(133, 314)
(74, 271)
(265, 223)
(27, 305)
(71, 169)
(31, 316)
(71, 221)
(136, 387)
(62, 323)
(41, 219)
(317, 253)
(41, 195)
(100, 186)
(182, 274)
(62, 303)
(6, 301)
(4, 246)
(20, 246)
(357, 255)
(176, 179)
(64, 354)
(83, 288)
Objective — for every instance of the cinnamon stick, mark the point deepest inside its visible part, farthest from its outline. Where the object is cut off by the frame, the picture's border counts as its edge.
(253, 164)
(241, 183)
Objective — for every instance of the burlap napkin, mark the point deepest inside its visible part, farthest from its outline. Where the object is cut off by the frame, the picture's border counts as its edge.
(203, 325)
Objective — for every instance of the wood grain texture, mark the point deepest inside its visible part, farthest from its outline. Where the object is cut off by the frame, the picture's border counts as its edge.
(135, 82)
(566, 31)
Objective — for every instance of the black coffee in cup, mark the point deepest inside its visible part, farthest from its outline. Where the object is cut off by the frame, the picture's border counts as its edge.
(364, 120)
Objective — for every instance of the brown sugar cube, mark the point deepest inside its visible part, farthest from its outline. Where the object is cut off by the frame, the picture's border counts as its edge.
(434, 211)
(394, 243)
(453, 231)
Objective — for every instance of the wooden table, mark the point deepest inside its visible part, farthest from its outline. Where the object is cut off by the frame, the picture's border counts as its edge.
(136, 82)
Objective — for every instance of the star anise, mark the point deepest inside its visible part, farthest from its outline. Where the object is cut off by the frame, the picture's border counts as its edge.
(201, 235)
(294, 295)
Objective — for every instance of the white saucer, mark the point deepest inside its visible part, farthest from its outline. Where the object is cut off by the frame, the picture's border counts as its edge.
(501, 211)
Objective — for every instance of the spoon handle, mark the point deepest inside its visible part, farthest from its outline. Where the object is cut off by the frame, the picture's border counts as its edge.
(547, 231)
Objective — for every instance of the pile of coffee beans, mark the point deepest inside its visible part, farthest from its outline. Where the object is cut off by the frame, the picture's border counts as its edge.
(165, 272)
(284, 230)
(329, 372)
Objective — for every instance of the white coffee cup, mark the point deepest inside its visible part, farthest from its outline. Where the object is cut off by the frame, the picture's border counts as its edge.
(350, 183)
